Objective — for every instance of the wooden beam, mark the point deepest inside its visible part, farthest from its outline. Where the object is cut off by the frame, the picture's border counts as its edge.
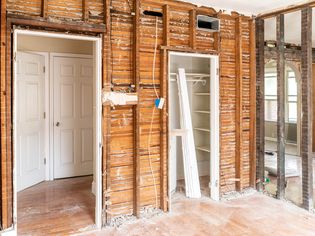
(307, 107)
(239, 104)
(85, 10)
(166, 25)
(286, 10)
(252, 133)
(163, 116)
(44, 8)
(107, 78)
(189, 50)
(260, 108)
(192, 28)
(43, 23)
(280, 108)
(136, 76)
(4, 161)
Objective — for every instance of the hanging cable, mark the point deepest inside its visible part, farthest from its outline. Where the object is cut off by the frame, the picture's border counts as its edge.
(153, 112)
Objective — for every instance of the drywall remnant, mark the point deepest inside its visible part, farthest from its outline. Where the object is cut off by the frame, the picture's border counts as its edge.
(115, 98)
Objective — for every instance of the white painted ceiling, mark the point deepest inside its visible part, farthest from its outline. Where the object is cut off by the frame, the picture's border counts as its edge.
(252, 7)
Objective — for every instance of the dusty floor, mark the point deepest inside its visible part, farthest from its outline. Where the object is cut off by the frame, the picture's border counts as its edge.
(252, 215)
(293, 191)
(56, 208)
(66, 207)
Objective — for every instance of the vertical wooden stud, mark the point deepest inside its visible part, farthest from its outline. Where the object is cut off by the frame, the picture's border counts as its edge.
(252, 133)
(260, 106)
(107, 74)
(136, 73)
(163, 119)
(192, 28)
(44, 8)
(85, 10)
(239, 105)
(166, 25)
(280, 108)
(307, 107)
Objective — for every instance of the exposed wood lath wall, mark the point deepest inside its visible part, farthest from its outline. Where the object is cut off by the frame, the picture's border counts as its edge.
(129, 39)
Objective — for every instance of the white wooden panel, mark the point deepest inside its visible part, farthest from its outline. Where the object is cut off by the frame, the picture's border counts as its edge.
(30, 123)
(73, 111)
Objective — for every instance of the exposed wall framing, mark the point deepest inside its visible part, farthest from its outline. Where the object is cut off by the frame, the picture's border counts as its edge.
(280, 108)
(307, 106)
(302, 56)
(129, 40)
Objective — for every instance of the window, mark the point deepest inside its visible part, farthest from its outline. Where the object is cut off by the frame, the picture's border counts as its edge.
(271, 97)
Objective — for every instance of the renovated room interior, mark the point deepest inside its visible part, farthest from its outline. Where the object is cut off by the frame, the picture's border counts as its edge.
(171, 117)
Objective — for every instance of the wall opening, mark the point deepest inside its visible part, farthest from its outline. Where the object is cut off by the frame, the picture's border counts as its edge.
(57, 127)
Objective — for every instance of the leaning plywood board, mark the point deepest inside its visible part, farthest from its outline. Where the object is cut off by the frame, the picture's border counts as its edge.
(188, 144)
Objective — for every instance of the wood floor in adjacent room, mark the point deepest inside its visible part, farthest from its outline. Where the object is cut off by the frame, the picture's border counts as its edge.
(60, 207)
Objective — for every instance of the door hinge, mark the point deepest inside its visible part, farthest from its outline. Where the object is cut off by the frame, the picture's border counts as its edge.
(44, 115)
(14, 57)
(45, 161)
(44, 69)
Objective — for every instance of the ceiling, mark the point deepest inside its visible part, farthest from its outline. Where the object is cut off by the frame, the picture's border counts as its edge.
(255, 7)
(252, 7)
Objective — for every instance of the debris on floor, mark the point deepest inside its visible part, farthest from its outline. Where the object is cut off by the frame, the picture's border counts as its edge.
(235, 195)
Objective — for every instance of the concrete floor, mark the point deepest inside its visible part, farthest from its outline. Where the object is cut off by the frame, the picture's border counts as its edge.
(251, 215)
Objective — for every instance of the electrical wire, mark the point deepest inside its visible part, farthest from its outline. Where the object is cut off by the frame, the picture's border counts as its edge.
(153, 112)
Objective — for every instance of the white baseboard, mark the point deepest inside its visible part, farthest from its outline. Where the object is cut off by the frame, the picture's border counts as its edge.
(93, 187)
(9, 232)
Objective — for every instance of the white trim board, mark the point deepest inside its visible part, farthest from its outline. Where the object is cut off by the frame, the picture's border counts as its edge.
(97, 110)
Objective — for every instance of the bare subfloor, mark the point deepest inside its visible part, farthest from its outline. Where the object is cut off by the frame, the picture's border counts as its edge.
(251, 215)
(58, 207)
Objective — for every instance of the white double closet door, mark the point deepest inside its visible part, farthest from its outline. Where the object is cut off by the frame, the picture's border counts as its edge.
(72, 119)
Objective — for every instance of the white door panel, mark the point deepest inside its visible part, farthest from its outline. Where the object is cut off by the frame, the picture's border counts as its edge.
(73, 117)
(30, 120)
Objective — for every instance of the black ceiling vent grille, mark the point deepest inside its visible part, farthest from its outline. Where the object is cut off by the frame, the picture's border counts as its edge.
(208, 23)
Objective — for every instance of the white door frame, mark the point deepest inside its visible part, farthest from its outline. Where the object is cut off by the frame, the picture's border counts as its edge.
(214, 121)
(97, 110)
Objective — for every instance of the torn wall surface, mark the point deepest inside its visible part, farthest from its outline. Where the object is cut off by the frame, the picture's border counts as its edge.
(129, 159)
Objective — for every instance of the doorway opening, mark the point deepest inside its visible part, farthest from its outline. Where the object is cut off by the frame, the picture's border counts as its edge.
(202, 89)
(57, 132)
(293, 163)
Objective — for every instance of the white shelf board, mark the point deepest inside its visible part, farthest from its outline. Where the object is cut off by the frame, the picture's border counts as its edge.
(202, 94)
(202, 129)
(194, 75)
(202, 112)
(203, 148)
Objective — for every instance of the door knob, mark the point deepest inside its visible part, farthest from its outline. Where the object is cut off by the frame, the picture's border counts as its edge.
(58, 124)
